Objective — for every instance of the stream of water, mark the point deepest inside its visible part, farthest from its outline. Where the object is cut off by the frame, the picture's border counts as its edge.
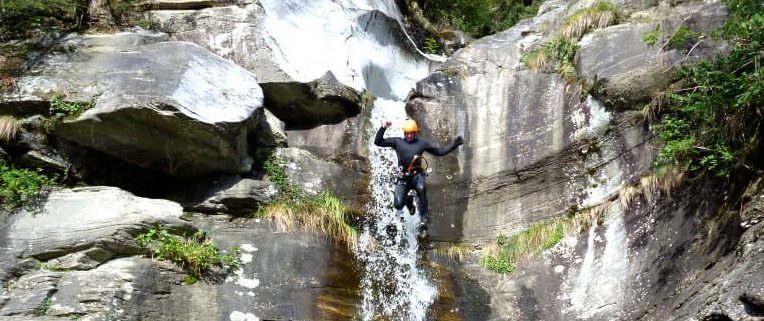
(356, 41)
(394, 284)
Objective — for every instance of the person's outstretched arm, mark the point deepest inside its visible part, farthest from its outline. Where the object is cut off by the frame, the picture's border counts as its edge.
(440, 151)
(379, 140)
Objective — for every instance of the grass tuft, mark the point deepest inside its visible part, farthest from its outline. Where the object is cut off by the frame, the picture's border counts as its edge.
(600, 15)
(454, 252)
(324, 213)
(9, 128)
(627, 194)
(507, 251)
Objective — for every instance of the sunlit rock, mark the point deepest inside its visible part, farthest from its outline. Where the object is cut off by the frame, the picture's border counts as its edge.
(172, 107)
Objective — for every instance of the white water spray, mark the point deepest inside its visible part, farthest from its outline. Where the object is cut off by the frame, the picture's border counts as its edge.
(394, 286)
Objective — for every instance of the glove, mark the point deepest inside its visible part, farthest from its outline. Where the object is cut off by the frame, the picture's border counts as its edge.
(459, 141)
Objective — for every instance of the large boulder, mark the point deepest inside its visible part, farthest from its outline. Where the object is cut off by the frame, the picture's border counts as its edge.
(82, 219)
(172, 107)
(307, 105)
(625, 71)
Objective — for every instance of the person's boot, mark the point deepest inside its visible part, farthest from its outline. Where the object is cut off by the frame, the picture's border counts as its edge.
(423, 226)
(410, 204)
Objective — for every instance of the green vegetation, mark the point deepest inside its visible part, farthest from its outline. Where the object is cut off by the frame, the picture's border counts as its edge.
(711, 120)
(600, 15)
(543, 235)
(561, 51)
(59, 108)
(651, 37)
(498, 263)
(120, 10)
(563, 47)
(50, 266)
(197, 254)
(21, 187)
(533, 240)
(682, 38)
(17, 16)
(478, 17)
(274, 169)
(43, 308)
(322, 213)
(454, 252)
(431, 45)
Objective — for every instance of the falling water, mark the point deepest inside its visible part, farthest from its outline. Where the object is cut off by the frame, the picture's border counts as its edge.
(394, 286)
(354, 40)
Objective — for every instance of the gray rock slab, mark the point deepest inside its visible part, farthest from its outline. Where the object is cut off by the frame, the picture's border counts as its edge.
(313, 174)
(172, 107)
(30, 294)
(285, 276)
(268, 130)
(231, 195)
(81, 218)
(114, 290)
(307, 105)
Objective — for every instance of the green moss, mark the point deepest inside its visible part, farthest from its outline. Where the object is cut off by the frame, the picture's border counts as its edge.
(53, 267)
(43, 308)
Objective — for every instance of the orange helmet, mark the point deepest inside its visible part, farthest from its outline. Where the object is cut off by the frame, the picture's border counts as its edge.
(409, 126)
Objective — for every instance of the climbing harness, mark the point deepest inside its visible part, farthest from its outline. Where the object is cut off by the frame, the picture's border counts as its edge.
(412, 170)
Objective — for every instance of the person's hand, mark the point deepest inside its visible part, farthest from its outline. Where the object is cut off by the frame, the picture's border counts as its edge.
(459, 141)
(386, 123)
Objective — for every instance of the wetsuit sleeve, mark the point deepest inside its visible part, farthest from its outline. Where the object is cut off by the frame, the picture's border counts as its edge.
(382, 142)
(440, 151)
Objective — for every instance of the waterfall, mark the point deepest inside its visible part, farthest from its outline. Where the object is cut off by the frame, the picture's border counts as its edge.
(356, 41)
(393, 284)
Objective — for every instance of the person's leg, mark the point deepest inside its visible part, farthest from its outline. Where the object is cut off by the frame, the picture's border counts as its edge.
(410, 202)
(399, 193)
(421, 195)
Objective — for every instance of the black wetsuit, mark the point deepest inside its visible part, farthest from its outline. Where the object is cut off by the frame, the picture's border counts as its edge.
(412, 176)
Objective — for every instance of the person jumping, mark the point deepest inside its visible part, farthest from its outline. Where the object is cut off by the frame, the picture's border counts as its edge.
(411, 175)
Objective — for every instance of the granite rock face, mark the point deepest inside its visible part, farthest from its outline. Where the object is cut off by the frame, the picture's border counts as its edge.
(171, 107)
